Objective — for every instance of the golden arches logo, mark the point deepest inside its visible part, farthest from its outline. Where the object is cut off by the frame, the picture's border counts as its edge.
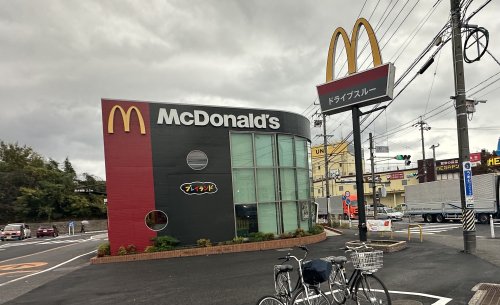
(126, 118)
(350, 47)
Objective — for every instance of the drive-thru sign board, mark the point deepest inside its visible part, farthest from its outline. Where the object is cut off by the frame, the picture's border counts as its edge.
(360, 89)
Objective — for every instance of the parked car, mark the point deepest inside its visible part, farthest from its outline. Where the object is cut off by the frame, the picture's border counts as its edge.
(47, 231)
(13, 231)
(26, 228)
(385, 213)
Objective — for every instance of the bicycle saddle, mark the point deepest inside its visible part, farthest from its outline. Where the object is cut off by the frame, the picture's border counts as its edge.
(338, 259)
(284, 268)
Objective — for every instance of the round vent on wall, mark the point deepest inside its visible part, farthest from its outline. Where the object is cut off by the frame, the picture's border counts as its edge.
(197, 160)
(156, 220)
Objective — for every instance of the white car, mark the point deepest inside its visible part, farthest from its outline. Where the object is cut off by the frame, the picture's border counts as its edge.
(393, 214)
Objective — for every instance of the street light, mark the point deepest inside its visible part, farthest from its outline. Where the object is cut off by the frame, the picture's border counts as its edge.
(433, 147)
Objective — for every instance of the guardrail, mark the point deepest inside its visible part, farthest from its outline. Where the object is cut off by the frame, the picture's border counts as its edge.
(415, 226)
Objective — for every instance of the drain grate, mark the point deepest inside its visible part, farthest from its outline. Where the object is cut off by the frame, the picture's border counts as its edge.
(486, 294)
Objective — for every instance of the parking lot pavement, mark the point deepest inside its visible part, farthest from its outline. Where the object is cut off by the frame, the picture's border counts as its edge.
(425, 272)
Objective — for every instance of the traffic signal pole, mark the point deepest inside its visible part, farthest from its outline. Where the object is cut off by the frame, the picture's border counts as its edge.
(327, 172)
(372, 159)
(468, 217)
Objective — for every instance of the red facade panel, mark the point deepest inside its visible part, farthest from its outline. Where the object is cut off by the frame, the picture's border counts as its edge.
(129, 172)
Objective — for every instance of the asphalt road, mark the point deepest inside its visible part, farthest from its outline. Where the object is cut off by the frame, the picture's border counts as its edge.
(30, 263)
(429, 272)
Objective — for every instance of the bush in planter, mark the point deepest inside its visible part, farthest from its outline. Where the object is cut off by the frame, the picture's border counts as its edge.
(103, 250)
(131, 249)
(150, 249)
(300, 233)
(122, 251)
(238, 240)
(286, 235)
(204, 242)
(316, 229)
(163, 243)
(269, 236)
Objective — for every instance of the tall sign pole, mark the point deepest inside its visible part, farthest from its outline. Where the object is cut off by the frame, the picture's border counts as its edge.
(358, 158)
(327, 172)
(468, 215)
(356, 90)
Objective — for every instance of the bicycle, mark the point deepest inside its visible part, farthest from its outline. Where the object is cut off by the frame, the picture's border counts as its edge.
(306, 290)
(363, 286)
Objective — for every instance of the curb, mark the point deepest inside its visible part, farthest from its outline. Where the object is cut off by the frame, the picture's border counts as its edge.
(245, 247)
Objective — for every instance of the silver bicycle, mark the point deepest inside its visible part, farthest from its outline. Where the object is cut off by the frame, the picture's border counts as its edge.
(362, 286)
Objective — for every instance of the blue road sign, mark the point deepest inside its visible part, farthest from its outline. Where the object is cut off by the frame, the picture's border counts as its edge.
(469, 194)
(348, 201)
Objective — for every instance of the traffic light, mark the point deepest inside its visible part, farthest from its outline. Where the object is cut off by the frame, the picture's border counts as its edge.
(406, 158)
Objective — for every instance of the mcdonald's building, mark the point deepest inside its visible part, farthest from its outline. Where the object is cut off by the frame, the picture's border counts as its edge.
(196, 172)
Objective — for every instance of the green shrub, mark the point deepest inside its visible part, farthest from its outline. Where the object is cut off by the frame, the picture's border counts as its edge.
(103, 250)
(299, 232)
(238, 240)
(256, 236)
(269, 236)
(316, 229)
(204, 242)
(131, 249)
(122, 251)
(163, 243)
(150, 249)
(286, 235)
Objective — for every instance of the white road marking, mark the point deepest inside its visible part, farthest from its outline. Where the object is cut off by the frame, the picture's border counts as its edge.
(440, 300)
(49, 269)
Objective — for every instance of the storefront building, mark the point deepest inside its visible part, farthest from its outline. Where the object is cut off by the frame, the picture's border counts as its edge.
(195, 172)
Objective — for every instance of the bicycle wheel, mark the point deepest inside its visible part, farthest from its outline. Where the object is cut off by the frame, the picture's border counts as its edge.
(282, 286)
(337, 284)
(313, 297)
(370, 290)
(269, 300)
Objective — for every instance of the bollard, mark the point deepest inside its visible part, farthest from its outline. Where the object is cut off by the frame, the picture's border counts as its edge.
(492, 227)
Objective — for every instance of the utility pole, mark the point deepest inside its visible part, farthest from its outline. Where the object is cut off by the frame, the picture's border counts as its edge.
(327, 174)
(433, 147)
(372, 157)
(423, 126)
(468, 217)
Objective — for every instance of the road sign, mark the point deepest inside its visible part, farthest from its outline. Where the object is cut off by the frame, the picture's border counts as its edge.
(469, 195)
(347, 194)
(348, 201)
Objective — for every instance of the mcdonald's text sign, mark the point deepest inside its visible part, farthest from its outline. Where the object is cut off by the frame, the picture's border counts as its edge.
(360, 89)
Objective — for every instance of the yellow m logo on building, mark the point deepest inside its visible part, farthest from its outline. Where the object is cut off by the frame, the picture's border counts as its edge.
(350, 47)
(126, 118)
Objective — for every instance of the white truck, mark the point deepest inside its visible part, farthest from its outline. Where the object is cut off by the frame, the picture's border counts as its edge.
(439, 201)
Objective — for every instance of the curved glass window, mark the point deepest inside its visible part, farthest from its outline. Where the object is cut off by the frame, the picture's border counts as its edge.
(271, 183)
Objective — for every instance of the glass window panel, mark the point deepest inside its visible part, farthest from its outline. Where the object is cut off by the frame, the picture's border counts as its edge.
(267, 218)
(303, 185)
(266, 184)
(301, 152)
(244, 186)
(289, 216)
(285, 147)
(246, 219)
(287, 184)
(264, 147)
(241, 150)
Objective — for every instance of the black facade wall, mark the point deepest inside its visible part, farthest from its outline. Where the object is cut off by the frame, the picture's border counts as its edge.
(191, 217)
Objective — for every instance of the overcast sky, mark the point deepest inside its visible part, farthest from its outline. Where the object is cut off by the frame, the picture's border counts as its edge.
(59, 58)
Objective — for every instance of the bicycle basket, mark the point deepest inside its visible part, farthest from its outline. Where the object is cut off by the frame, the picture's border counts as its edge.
(316, 271)
(367, 261)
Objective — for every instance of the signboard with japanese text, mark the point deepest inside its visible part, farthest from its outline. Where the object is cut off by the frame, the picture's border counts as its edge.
(360, 89)
(397, 175)
(381, 149)
(469, 195)
(375, 225)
